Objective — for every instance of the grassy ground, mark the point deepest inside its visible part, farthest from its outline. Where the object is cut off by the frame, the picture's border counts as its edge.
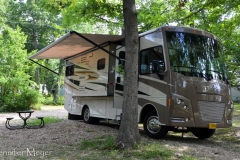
(103, 147)
(47, 120)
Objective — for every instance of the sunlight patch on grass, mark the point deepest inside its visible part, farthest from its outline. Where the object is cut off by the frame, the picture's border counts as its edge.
(236, 110)
(225, 134)
(236, 123)
(237, 107)
(105, 148)
(47, 120)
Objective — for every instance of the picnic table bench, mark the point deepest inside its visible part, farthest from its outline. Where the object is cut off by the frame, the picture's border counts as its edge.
(25, 117)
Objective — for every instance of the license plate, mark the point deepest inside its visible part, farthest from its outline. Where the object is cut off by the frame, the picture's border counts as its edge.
(212, 125)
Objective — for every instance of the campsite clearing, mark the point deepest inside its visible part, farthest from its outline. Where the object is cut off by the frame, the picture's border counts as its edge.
(76, 140)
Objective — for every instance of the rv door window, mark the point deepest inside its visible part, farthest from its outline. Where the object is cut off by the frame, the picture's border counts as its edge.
(69, 70)
(152, 60)
(101, 64)
(122, 58)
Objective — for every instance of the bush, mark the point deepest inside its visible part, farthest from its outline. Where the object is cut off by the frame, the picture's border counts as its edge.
(24, 100)
(49, 101)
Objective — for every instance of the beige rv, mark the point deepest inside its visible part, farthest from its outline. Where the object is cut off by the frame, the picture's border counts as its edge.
(183, 84)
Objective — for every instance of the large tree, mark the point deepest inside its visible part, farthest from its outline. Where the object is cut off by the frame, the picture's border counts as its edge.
(129, 133)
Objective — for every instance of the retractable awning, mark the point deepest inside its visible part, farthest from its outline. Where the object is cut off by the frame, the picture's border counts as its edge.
(74, 43)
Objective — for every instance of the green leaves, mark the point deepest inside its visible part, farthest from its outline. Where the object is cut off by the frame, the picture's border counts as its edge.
(14, 80)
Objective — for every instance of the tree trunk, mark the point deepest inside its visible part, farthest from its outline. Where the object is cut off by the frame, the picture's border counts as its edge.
(128, 133)
(60, 69)
(37, 75)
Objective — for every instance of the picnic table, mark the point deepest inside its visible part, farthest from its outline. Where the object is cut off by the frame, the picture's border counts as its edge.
(24, 115)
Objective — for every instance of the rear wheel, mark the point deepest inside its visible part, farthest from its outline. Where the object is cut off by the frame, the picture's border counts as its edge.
(203, 133)
(87, 118)
(152, 127)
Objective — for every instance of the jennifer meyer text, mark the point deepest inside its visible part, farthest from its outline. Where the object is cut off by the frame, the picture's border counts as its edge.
(28, 152)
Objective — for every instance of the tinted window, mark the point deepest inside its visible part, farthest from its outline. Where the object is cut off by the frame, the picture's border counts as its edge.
(122, 58)
(101, 64)
(152, 60)
(69, 69)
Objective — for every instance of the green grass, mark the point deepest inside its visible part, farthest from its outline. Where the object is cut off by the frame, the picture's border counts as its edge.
(36, 107)
(236, 109)
(104, 148)
(229, 134)
(47, 120)
(236, 112)
(236, 123)
(225, 134)
(237, 106)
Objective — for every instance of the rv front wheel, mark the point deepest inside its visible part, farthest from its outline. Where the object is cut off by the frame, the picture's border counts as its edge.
(152, 127)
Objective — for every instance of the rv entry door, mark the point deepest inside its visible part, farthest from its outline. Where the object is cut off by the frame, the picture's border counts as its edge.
(119, 77)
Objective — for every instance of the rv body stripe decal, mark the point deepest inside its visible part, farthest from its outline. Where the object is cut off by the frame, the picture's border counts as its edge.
(139, 92)
(119, 93)
(79, 67)
(152, 79)
(68, 85)
(154, 101)
(154, 84)
(90, 89)
(74, 82)
(120, 87)
(102, 84)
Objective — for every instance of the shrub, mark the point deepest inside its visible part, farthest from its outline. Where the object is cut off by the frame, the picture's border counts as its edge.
(24, 100)
(49, 101)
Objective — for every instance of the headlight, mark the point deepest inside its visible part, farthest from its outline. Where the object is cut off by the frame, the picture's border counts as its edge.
(179, 101)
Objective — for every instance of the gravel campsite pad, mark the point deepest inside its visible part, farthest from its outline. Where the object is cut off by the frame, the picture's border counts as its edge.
(54, 140)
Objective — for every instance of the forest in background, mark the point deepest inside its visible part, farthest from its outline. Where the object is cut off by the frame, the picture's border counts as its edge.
(29, 25)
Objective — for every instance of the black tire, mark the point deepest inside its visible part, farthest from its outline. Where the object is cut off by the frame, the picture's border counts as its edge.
(203, 133)
(74, 117)
(87, 118)
(154, 130)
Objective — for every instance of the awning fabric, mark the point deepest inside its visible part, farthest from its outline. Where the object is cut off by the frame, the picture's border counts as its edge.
(72, 44)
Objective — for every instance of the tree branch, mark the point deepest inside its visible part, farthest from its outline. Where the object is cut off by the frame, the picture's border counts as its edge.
(103, 19)
(193, 13)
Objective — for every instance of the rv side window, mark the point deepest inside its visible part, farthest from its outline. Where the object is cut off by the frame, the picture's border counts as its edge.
(152, 60)
(101, 64)
(122, 58)
(69, 69)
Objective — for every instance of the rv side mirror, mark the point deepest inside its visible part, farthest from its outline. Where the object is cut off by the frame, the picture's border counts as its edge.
(158, 66)
(161, 67)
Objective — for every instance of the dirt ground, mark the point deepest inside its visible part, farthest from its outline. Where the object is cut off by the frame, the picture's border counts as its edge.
(52, 139)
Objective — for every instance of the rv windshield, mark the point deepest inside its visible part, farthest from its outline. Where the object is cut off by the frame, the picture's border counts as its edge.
(196, 56)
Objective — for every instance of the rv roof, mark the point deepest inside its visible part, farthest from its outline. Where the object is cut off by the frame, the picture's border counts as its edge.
(72, 44)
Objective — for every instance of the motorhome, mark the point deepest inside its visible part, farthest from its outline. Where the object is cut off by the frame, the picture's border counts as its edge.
(182, 81)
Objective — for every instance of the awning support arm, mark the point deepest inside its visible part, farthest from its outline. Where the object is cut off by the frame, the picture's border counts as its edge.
(96, 45)
(44, 67)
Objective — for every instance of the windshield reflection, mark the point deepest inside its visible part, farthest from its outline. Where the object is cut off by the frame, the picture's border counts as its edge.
(196, 56)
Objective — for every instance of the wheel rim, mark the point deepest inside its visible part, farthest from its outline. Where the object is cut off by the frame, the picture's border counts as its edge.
(86, 114)
(153, 124)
